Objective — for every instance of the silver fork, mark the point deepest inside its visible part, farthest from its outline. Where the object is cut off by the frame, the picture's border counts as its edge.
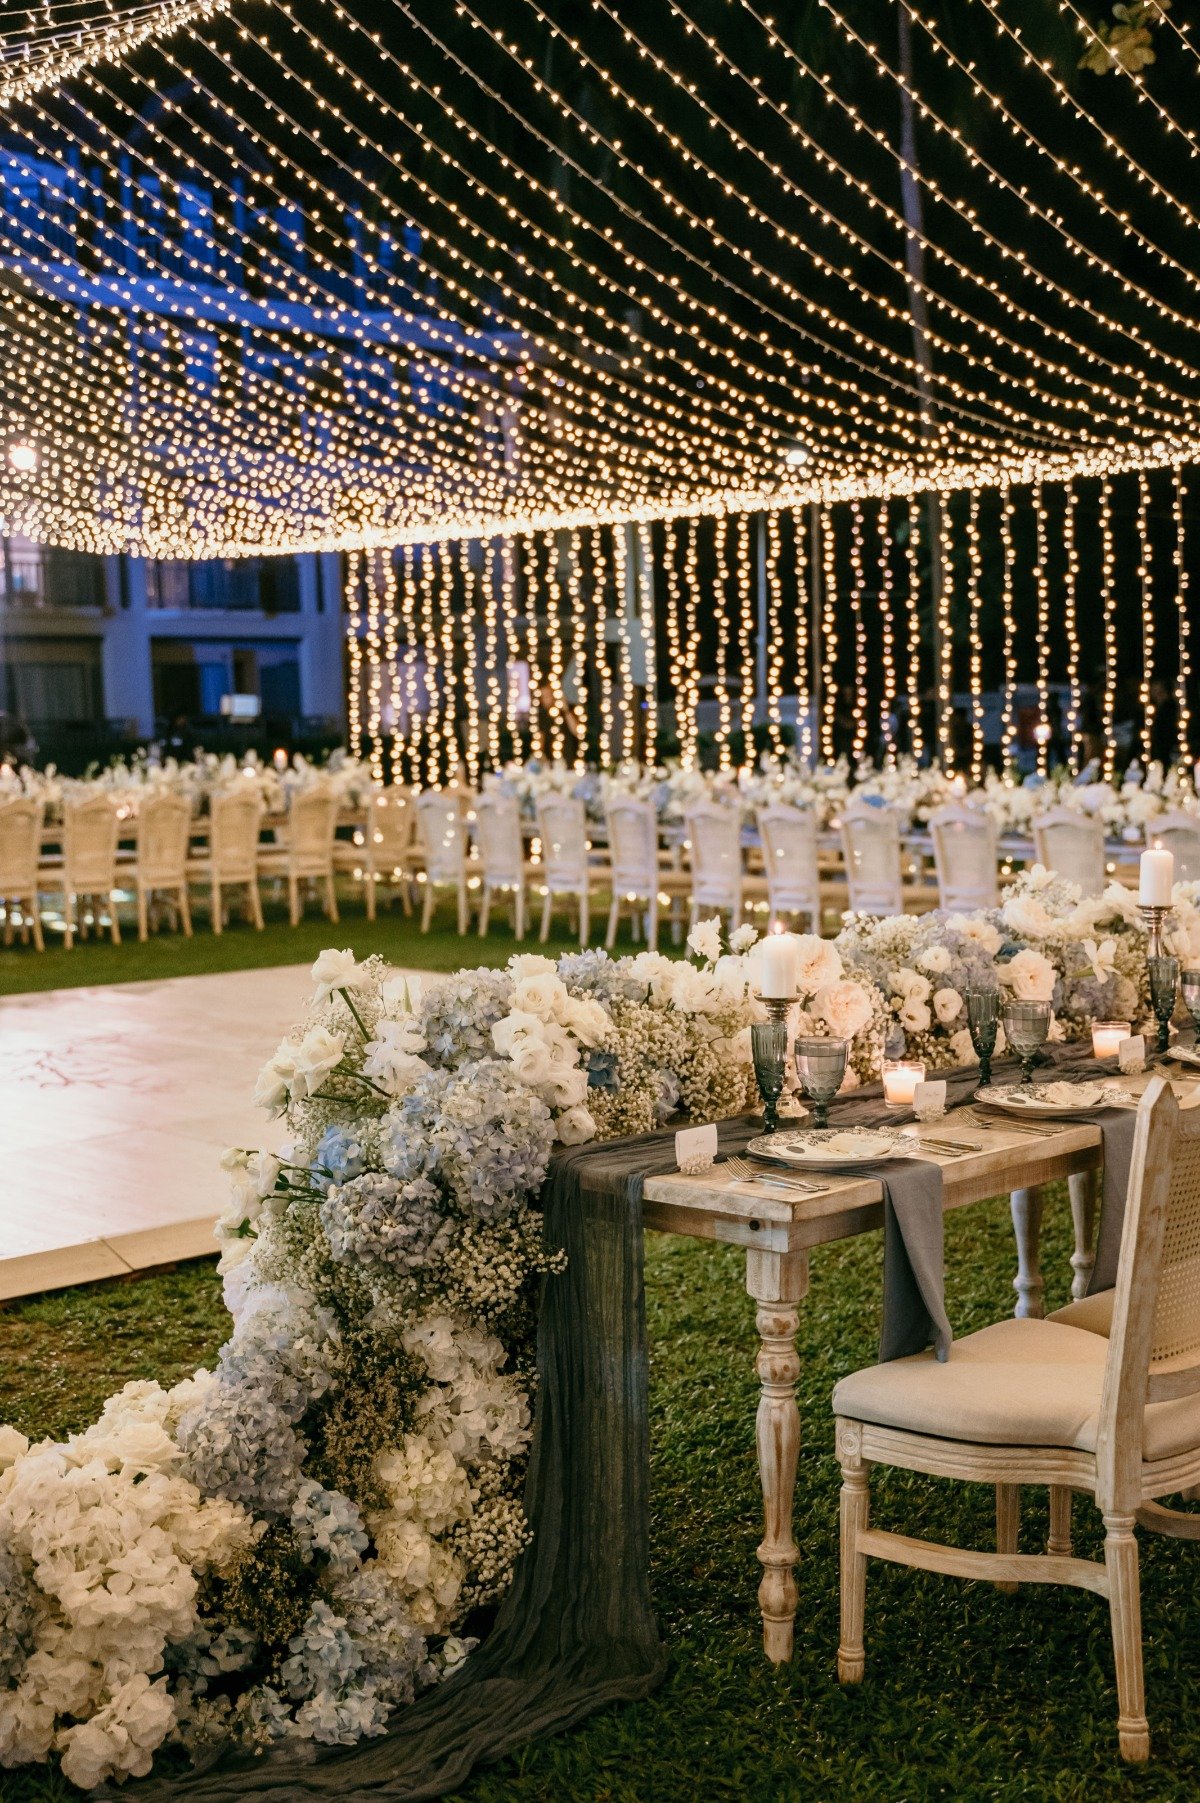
(745, 1172)
(1003, 1124)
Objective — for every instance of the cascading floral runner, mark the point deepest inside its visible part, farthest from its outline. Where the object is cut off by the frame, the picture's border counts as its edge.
(282, 1552)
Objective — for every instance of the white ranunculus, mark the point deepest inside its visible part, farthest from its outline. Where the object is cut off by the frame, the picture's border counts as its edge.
(914, 1016)
(575, 1126)
(981, 932)
(335, 970)
(705, 939)
(947, 1005)
(934, 959)
(962, 1051)
(818, 963)
(844, 1007)
(318, 1054)
(1030, 976)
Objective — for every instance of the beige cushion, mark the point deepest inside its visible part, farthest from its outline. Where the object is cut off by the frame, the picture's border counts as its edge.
(1017, 1383)
(1093, 1313)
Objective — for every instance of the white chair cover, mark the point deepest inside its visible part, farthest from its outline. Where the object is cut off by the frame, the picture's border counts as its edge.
(789, 844)
(964, 854)
(871, 851)
(715, 836)
(1072, 844)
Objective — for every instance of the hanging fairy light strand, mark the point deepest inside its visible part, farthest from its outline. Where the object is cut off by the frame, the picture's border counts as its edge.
(915, 727)
(887, 637)
(1183, 584)
(775, 632)
(1108, 613)
(1042, 587)
(1071, 622)
(1008, 724)
(975, 633)
(829, 633)
(1146, 688)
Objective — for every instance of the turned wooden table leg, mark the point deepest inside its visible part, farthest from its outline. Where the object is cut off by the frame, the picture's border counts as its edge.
(1027, 1225)
(1082, 1187)
(777, 1281)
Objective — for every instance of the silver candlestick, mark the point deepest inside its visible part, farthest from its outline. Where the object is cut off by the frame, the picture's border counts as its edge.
(779, 1007)
(1154, 918)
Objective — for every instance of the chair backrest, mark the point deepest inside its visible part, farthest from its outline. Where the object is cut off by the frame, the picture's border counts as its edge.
(163, 826)
(715, 835)
(871, 852)
(789, 844)
(90, 830)
(632, 845)
(20, 844)
(235, 819)
(964, 854)
(1072, 844)
(1154, 1343)
(498, 838)
(1178, 833)
(312, 821)
(391, 827)
(443, 835)
(562, 826)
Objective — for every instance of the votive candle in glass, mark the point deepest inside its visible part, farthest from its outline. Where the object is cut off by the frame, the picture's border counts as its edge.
(1107, 1036)
(900, 1079)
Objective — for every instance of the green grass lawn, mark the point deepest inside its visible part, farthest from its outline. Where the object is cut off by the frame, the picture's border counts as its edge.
(393, 934)
(969, 1694)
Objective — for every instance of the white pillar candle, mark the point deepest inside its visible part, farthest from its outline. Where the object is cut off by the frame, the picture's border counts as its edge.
(1157, 879)
(1107, 1036)
(900, 1081)
(777, 968)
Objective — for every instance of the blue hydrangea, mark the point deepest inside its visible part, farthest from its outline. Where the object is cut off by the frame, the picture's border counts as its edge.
(594, 973)
(339, 1156)
(328, 1525)
(603, 1071)
(479, 1133)
(375, 1217)
(457, 1016)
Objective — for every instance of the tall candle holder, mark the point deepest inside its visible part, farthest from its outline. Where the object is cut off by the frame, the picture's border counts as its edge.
(1154, 919)
(779, 1008)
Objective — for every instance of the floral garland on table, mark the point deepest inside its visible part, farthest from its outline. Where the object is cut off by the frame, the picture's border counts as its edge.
(1127, 809)
(130, 781)
(922, 967)
(285, 1549)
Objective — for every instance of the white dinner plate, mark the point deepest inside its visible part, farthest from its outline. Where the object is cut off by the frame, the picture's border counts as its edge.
(1183, 1053)
(830, 1148)
(1084, 1099)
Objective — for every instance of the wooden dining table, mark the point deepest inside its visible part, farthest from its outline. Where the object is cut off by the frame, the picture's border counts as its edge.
(779, 1227)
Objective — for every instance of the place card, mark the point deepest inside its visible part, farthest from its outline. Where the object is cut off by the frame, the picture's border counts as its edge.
(929, 1099)
(1131, 1053)
(695, 1148)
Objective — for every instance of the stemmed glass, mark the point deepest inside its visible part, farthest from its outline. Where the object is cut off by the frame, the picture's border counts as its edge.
(768, 1042)
(820, 1066)
(983, 1019)
(1191, 997)
(1164, 986)
(1026, 1026)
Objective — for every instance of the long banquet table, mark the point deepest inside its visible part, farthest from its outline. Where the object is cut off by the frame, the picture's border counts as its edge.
(778, 1228)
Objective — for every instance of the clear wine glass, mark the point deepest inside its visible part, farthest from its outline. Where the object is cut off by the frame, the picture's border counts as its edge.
(1190, 981)
(768, 1042)
(820, 1066)
(1026, 1026)
(983, 1019)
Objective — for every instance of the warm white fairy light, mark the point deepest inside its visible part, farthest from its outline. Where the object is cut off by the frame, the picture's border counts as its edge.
(1042, 584)
(1008, 722)
(887, 635)
(724, 711)
(610, 749)
(673, 612)
(829, 632)
(373, 577)
(493, 693)
(579, 641)
(509, 614)
(857, 594)
(807, 725)
(1071, 622)
(1108, 611)
(354, 651)
(537, 746)
(690, 729)
(943, 589)
(434, 678)
(1183, 584)
(744, 576)
(413, 710)
(391, 650)
(470, 614)
(626, 590)
(554, 649)
(974, 631)
(648, 621)
(1146, 582)
(449, 690)
(775, 638)
(916, 730)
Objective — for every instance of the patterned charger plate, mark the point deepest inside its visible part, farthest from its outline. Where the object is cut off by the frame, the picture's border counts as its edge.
(829, 1148)
(1085, 1098)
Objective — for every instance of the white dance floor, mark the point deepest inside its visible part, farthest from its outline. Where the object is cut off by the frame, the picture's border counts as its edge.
(115, 1106)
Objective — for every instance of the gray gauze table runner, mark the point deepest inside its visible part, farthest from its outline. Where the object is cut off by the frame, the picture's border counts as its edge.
(576, 1631)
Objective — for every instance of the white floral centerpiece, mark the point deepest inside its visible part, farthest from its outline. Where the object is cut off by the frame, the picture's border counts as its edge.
(1085, 954)
(922, 967)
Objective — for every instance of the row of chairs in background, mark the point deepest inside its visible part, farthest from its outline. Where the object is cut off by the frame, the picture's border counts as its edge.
(161, 869)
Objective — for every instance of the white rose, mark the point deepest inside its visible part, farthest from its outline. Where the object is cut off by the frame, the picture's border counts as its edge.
(531, 964)
(274, 1081)
(541, 993)
(981, 932)
(705, 939)
(337, 970)
(1030, 976)
(910, 984)
(317, 1055)
(587, 1020)
(818, 963)
(935, 960)
(575, 1126)
(565, 1087)
(947, 1003)
(515, 1026)
(742, 938)
(961, 1049)
(532, 1062)
(844, 1007)
(914, 1016)
(692, 991)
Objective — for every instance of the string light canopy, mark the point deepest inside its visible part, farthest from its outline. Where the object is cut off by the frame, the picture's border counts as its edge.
(361, 273)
